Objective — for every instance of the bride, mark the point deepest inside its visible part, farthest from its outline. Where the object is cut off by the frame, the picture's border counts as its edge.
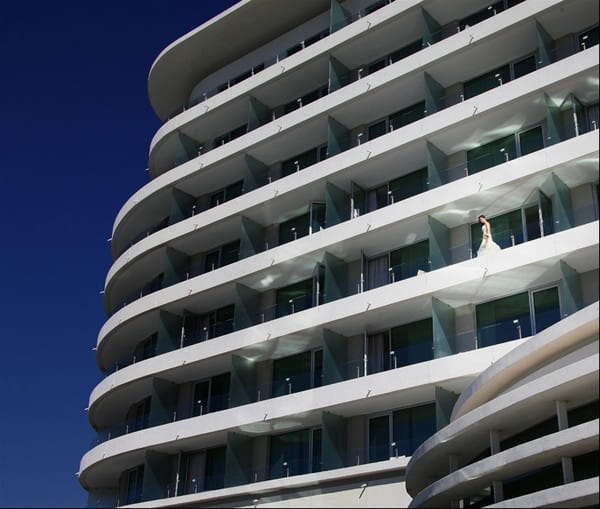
(487, 246)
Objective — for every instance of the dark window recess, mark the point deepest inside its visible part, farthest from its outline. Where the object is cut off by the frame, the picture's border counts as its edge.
(230, 136)
(406, 51)
(588, 39)
(214, 476)
(537, 431)
(530, 482)
(305, 99)
(481, 15)
(523, 67)
(407, 115)
(229, 193)
(303, 160)
(584, 413)
(224, 255)
(487, 81)
(585, 466)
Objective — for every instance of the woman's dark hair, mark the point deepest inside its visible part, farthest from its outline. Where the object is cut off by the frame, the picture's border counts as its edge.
(480, 216)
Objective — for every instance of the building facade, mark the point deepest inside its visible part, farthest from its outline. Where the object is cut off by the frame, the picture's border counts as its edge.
(296, 304)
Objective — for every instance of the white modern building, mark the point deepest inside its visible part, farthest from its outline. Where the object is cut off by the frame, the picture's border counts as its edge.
(296, 305)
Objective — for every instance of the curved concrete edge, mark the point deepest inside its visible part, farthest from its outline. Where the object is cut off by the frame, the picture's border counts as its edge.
(506, 19)
(330, 397)
(556, 245)
(291, 63)
(575, 494)
(534, 163)
(435, 449)
(174, 175)
(539, 349)
(278, 485)
(520, 459)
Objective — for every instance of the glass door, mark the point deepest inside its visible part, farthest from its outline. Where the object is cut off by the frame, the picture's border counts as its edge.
(358, 200)
(317, 217)
(201, 395)
(546, 308)
(379, 438)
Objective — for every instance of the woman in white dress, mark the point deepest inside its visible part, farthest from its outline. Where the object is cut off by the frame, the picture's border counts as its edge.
(487, 246)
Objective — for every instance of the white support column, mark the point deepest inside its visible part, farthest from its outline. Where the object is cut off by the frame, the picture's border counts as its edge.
(497, 487)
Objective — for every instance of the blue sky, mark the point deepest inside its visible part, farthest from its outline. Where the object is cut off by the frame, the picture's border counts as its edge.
(75, 126)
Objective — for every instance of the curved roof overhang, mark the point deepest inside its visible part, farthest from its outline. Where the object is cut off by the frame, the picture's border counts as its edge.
(235, 32)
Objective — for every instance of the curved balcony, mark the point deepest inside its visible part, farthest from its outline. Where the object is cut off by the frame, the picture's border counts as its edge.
(545, 381)
(210, 164)
(382, 304)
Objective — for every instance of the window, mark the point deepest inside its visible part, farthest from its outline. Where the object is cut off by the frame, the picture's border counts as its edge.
(295, 453)
(308, 223)
(134, 480)
(297, 372)
(408, 261)
(412, 426)
(588, 39)
(505, 149)
(407, 115)
(301, 161)
(305, 99)
(298, 296)
(146, 348)
(224, 255)
(214, 477)
(487, 81)
(481, 15)
(517, 316)
(230, 136)
(198, 328)
(211, 395)
(400, 346)
(411, 343)
(229, 193)
(409, 185)
(401, 432)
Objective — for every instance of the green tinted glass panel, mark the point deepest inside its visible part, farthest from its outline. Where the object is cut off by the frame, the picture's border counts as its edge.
(531, 140)
(423, 424)
(377, 130)
(546, 308)
(292, 374)
(215, 468)
(487, 81)
(201, 404)
(379, 439)
(406, 262)
(412, 426)
(219, 392)
(491, 154)
(230, 253)
(294, 298)
(589, 38)
(407, 50)
(234, 190)
(503, 320)
(299, 162)
(523, 67)
(409, 185)
(407, 115)
(289, 454)
(413, 342)
(294, 228)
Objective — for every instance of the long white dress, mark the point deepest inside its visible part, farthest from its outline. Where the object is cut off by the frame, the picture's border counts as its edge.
(487, 246)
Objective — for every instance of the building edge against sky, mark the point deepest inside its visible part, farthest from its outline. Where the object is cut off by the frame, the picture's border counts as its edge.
(296, 312)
